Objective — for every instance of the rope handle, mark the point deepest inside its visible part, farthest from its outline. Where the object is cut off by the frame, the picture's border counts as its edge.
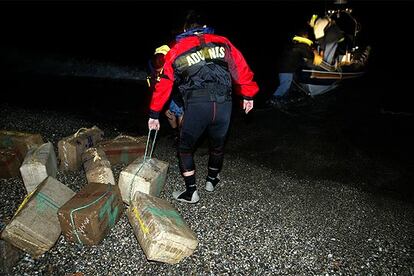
(143, 162)
(94, 154)
(82, 129)
(152, 146)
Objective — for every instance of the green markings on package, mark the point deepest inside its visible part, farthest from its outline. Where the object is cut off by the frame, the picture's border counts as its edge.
(43, 202)
(72, 219)
(166, 214)
(107, 209)
(124, 157)
(159, 182)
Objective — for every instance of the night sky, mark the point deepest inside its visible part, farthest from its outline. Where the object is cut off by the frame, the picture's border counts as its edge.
(127, 32)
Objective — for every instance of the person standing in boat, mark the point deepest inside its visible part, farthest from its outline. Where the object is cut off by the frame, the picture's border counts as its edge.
(299, 54)
(328, 36)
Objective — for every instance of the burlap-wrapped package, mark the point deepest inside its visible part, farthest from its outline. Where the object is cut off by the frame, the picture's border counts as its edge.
(9, 163)
(35, 227)
(88, 217)
(160, 230)
(97, 167)
(21, 141)
(146, 175)
(70, 148)
(38, 164)
(123, 149)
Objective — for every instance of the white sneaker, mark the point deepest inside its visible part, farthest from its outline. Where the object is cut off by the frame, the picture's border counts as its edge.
(186, 196)
(211, 184)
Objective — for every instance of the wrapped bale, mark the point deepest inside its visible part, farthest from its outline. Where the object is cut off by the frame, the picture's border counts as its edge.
(9, 256)
(70, 148)
(35, 227)
(160, 230)
(123, 149)
(144, 175)
(97, 167)
(38, 164)
(9, 163)
(88, 217)
(21, 141)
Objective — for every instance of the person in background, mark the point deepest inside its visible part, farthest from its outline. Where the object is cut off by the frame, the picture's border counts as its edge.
(299, 54)
(335, 36)
(155, 65)
(207, 69)
(328, 35)
(175, 111)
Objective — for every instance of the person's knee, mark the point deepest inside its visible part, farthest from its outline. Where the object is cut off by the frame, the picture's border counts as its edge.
(184, 147)
(187, 142)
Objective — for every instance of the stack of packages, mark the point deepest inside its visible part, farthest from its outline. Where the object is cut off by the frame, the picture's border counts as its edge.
(13, 149)
(35, 226)
(159, 228)
(39, 162)
(87, 216)
(71, 148)
(123, 149)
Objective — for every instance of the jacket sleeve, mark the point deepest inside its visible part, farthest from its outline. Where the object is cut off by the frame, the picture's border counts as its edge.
(162, 89)
(241, 74)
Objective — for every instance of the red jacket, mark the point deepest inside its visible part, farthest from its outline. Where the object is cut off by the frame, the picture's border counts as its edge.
(185, 63)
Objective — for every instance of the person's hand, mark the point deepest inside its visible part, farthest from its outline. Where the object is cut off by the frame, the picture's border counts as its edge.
(169, 114)
(247, 105)
(153, 124)
(171, 118)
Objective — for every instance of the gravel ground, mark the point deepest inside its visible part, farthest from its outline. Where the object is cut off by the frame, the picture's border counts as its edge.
(264, 220)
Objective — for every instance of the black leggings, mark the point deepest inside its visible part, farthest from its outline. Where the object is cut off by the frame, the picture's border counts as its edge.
(215, 117)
